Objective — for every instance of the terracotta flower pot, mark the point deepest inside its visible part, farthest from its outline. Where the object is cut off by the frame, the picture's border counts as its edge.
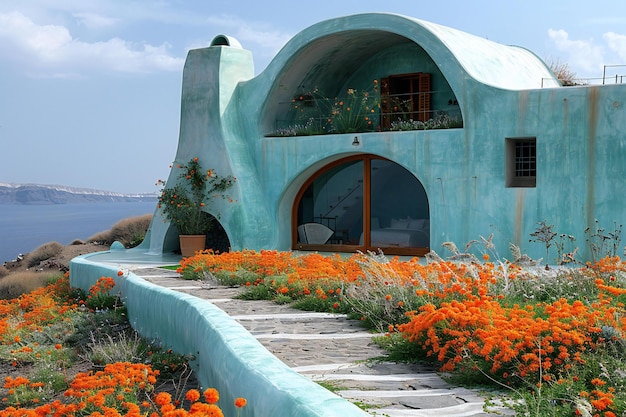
(190, 244)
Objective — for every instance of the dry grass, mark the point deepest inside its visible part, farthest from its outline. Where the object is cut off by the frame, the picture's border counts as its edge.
(100, 237)
(121, 348)
(130, 232)
(16, 284)
(42, 253)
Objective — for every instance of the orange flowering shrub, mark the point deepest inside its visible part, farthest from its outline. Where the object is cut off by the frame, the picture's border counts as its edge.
(120, 389)
(30, 312)
(518, 328)
(469, 324)
(100, 297)
(268, 263)
(282, 273)
(303, 274)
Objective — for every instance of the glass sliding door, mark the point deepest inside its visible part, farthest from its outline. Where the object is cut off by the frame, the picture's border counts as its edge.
(362, 203)
(399, 216)
(331, 207)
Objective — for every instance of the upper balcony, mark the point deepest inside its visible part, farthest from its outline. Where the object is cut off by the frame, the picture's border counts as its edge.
(394, 103)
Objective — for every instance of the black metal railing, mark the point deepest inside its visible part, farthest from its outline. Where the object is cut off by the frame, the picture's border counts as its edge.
(310, 114)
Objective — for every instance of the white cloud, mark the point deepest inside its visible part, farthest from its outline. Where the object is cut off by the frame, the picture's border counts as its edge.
(38, 40)
(617, 44)
(582, 56)
(51, 48)
(95, 21)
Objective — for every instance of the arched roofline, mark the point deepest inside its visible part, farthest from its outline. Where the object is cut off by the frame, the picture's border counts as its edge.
(458, 54)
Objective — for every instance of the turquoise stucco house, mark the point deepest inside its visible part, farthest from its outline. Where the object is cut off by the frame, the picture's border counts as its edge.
(385, 131)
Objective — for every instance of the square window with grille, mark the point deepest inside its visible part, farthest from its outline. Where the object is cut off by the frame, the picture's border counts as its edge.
(521, 162)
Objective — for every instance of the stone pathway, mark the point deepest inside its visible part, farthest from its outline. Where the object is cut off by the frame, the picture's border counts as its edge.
(338, 352)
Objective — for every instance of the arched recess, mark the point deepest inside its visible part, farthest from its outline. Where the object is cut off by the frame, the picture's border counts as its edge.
(363, 202)
(216, 238)
(389, 79)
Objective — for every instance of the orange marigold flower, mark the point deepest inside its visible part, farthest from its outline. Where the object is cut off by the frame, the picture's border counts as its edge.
(388, 297)
(601, 403)
(192, 395)
(163, 398)
(208, 410)
(120, 273)
(58, 346)
(211, 395)
(240, 402)
(10, 382)
(167, 408)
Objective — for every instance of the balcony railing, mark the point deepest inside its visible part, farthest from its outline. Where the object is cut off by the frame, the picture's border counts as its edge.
(312, 114)
(609, 76)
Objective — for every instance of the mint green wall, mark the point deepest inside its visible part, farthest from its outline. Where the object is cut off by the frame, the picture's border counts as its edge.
(226, 114)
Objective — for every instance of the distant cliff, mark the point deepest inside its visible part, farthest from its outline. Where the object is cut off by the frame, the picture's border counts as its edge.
(38, 194)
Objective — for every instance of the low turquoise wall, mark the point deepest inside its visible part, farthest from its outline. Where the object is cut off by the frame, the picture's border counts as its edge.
(228, 357)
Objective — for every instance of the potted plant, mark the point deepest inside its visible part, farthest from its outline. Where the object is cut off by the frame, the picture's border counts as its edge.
(184, 203)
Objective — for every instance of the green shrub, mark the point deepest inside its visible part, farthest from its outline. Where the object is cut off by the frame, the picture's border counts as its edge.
(323, 305)
(239, 277)
(257, 292)
(42, 253)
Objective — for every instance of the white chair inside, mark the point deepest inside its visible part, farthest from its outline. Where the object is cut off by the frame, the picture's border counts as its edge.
(314, 233)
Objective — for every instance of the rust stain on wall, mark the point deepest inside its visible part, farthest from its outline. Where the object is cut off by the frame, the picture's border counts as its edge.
(565, 116)
(591, 153)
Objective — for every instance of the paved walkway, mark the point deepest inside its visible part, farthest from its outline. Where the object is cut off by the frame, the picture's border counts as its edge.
(336, 351)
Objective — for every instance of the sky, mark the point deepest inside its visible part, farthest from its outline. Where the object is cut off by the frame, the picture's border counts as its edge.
(90, 90)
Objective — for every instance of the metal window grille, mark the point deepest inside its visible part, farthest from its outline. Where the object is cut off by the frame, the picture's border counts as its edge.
(525, 159)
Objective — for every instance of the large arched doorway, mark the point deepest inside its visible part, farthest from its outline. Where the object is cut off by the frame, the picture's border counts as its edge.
(362, 203)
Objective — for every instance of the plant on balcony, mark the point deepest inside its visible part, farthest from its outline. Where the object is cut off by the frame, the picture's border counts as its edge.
(184, 203)
(355, 112)
(314, 113)
(440, 121)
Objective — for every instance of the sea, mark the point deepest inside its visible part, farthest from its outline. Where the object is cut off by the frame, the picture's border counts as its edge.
(24, 228)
